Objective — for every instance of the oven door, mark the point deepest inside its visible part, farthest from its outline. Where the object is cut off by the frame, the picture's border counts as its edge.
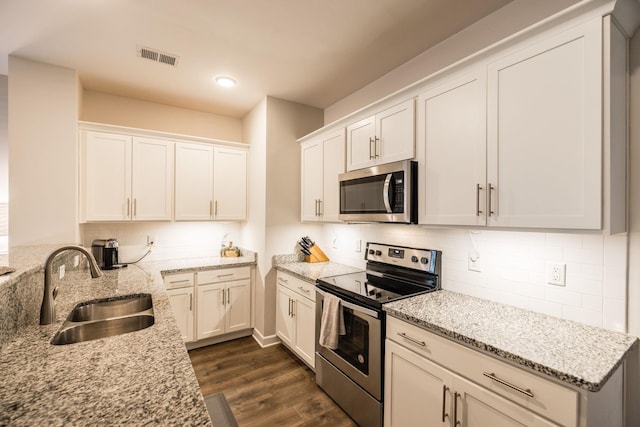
(359, 352)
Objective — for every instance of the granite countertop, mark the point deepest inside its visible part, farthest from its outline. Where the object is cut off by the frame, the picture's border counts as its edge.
(580, 355)
(138, 378)
(311, 271)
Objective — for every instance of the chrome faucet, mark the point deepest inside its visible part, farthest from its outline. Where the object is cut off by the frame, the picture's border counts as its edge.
(48, 310)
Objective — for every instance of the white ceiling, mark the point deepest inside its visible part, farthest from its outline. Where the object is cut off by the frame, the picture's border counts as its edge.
(314, 52)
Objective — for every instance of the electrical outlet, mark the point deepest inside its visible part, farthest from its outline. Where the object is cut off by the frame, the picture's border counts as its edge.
(358, 247)
(474, 262)
(61, 271)
(556, 272)
(151, 240)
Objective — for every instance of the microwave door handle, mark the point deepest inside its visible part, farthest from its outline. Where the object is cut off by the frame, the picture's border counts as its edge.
(385, 193)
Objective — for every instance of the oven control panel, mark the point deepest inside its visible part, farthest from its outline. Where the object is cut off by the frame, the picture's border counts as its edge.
(417, 259)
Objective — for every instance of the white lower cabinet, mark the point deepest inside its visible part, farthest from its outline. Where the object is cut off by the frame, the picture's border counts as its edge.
(295, 316)
(211, 302)
(432, 381)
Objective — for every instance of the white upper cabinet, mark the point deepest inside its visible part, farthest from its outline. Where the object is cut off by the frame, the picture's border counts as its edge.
(194, 181)
(452, 152)
(152, 179)
(323, 159)
(544, 128)
(126, 178)
(211, 182)
(386, 137)
(229, 184)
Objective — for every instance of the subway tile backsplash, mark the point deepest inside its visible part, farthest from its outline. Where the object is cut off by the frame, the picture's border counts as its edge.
(513, 266)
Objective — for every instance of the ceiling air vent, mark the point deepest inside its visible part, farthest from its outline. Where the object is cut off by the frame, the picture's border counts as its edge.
(157, 56)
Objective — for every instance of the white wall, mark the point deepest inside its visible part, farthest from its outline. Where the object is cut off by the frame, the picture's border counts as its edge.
(4, 164)
(117, 110)
(505, 21)
(43, 113)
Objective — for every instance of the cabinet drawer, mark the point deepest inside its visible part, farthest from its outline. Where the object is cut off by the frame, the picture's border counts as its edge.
(223, 275)
(180, 280)
(532, 391)
(298, 286)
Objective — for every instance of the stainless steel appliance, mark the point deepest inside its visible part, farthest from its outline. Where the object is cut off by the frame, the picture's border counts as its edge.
(385, 193)
(353, 374)
(105, 251)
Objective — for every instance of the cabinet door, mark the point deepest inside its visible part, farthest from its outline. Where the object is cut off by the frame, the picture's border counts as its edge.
(284, 321)
(545, 133)
(152, 179)
(238, 313)
(333, 156)
(229, 184)
(361, 144)
(478, 407)
(107, 183)
(182, 306)
(312, 179)
(452, 152)
(417, 392)
(211, 310)
(304, 314)
(194, 182)
(395, 132)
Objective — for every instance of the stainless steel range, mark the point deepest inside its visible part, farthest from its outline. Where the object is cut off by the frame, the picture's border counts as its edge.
(353, 373)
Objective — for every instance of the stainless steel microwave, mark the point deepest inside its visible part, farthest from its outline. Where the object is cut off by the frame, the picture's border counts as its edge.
(384, 193)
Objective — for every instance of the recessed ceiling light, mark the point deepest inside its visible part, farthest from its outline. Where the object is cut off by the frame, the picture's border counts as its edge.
(225, 81)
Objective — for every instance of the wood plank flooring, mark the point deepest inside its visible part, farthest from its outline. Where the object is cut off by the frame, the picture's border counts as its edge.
(265, 386)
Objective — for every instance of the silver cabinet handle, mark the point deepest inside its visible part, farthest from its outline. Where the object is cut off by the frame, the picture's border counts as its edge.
(444, 399)
(293, 308)
(375, 147)
(478, 189)
(372, 152)
(456, 421)
(526, 392)
(210, 208)
(224, 275)
(289, 308)
(229, 296)
(319, 207)
(128, 207)
(283, 280)
(491, 188)
(174, 282)
(215, 208)
(306, 291)
(413, 340)
(190, 302)
(135, 207)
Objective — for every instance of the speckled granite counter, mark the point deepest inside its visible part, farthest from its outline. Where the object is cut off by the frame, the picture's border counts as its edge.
(580, 355)
(139, 378)
(311, 271)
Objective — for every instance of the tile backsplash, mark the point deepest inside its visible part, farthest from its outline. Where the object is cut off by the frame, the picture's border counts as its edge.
(173, 239)
(513, 266)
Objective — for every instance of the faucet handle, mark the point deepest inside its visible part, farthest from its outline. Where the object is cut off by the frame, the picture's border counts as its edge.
(55, 292)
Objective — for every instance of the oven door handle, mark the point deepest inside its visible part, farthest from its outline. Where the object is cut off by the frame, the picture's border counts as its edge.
(354, 307)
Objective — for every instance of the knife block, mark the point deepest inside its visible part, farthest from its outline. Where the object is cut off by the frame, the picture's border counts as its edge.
(316, 255)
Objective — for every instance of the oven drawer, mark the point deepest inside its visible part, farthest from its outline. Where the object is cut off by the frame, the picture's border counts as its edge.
(223, 275)
(298, 286)
(549, 399)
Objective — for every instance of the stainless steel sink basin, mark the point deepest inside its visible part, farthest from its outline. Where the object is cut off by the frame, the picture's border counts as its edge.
(106, 317)
(87, 331)
(112, 307)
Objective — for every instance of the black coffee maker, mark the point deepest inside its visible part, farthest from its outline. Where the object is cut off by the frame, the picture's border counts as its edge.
(105, 251)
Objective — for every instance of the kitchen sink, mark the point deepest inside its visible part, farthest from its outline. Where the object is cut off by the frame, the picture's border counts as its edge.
(111, 307)
(106, 317)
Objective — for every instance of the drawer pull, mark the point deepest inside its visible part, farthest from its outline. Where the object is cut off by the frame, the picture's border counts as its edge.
(283, 280)
(306, 291)
(174, 282)
(413, 340)
(526, 392)
(225, 275)
(456, 421)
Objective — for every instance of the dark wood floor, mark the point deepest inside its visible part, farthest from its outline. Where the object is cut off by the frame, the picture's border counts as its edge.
(265, 386)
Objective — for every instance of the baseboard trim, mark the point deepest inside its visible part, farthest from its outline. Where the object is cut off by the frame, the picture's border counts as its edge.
(265, 341)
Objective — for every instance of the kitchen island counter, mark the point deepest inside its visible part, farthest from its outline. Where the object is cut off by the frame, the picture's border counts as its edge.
(138, 378)
(577, 354)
